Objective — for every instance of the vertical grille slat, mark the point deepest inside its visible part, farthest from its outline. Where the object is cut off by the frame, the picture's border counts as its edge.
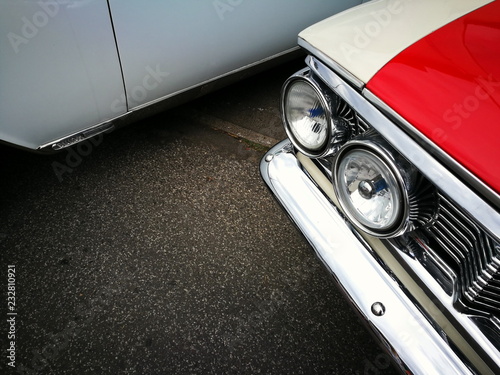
(467, 231)
(476, 239)
(475, 254)
(443, 235)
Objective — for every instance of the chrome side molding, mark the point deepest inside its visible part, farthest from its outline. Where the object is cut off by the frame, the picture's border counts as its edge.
(82, 136)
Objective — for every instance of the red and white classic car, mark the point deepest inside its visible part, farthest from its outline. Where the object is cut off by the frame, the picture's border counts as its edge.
(391, 173)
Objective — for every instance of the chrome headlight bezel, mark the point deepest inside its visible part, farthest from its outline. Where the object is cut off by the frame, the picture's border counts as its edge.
(402, 175)
(326, 105)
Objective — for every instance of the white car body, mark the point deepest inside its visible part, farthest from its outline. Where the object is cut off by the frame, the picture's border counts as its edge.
(69, 69)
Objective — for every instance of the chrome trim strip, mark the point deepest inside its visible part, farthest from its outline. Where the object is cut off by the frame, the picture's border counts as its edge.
(445, 180)
(351, 78)
(103, 127)
(432, 148)
(107, 127)
(408, 335)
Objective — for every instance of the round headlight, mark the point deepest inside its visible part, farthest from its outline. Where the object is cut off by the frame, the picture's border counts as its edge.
(370, 190)
(306, 116)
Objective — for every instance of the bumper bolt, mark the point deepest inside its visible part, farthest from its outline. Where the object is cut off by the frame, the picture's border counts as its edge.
(378, 309)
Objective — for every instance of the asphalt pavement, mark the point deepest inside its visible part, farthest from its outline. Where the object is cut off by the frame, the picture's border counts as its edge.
(157, 249)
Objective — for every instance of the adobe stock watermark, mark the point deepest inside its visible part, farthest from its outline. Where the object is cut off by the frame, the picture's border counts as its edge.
(364, 35)
(249, 325)
(139, 94)
(376, 366)
(471, 103)
(76, 154)
(225, 6)
(417, 325)
(31, 26)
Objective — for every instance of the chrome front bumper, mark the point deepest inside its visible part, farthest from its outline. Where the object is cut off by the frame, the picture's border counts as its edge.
(408, 336)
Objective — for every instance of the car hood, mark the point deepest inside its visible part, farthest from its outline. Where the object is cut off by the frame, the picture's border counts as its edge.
(444, 80)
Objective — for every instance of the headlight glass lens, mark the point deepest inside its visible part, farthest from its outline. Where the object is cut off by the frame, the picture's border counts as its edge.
(306, 116)
(369, 190)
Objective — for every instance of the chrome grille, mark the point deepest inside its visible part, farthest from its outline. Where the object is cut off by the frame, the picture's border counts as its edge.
(361, 127)
(355, 124)
(468, 250)
(474, 254)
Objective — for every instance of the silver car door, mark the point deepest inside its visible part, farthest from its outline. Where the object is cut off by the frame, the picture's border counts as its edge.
(59, 69)
(168, 46)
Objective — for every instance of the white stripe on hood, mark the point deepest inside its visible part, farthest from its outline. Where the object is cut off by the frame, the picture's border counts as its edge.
(364, 38)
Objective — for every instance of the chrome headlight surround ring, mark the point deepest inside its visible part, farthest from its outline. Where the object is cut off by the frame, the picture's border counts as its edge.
(325, 103)
(396, 169)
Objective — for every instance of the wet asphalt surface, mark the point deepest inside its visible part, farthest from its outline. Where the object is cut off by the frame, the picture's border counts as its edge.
(162, 252)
